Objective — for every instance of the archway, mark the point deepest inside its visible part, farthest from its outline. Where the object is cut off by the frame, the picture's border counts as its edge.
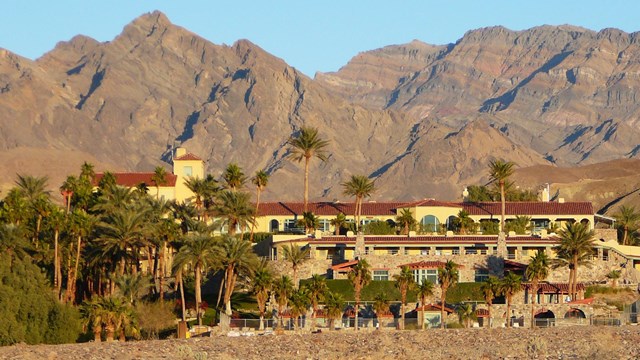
(545, 318)
(574, 313)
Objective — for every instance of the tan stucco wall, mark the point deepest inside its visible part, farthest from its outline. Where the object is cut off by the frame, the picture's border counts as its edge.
(197, 171)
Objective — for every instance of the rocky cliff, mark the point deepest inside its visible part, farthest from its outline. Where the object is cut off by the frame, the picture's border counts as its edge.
(423, 120)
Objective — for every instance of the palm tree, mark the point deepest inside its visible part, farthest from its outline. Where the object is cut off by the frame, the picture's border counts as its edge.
(575, 248)
(359, 186)
(298, 305)
(306, 145)
(260, 180)
(237, 259)
(463, 222)
(159, 178)
(466, 313)
(261, 284)
(333, 306)
(380, 306)
(309, 221)
(200, 252)
(235, 210)
(121, 235)
(234, 178)
(490, 288)
(296, 256)
(56, 222)
(81, 225)
(627, 218)
(360, 276)
(282, 288)
(499, 171)
(12, 242)
(200, 190)
(132, 287)
(509, 286)
(92, 312)
(614, 275)
(34, 190)
(316, 289)
(537, 270)
(338, 222)
(404, 282)
(424, 289)
(521, 224)
(448, 276)
(406, 219)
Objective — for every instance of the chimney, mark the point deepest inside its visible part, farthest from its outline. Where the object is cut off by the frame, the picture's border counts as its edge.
(545, 195)
(180, 151)
(465, 195)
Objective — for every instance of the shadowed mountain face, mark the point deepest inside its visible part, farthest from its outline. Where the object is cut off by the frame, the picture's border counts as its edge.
(423, 120)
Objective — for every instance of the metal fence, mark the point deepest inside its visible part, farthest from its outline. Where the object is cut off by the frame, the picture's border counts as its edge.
(414, 323)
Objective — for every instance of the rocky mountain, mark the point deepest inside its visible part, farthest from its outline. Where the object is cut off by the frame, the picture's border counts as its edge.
(566, 92)
(422, 120)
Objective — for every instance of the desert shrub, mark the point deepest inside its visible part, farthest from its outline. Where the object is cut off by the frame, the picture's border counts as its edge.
(369, 292)
(600, 289)
(154, 318)
(257, 237)
(461, 292)
(379, 228)
(29, 311)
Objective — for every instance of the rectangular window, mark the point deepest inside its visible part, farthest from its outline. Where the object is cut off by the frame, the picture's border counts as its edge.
(481, 275)
(422, 275)
(324, 225)
(187, 170)
(381, 275)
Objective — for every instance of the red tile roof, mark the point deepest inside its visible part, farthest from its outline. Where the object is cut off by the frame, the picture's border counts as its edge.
(389, 208)
(588, 301)
(345, 266)
(432, 202)
(433, 307)
(425, 265)
(554, 288)
(188, 156)
(435, 239)
(328, 208)
(530, 208)
(135, 179)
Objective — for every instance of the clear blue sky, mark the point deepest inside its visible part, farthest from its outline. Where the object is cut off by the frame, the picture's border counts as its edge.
(309, 35)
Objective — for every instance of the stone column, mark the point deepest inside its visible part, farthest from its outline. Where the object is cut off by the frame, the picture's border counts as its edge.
(502, 245)
(359, 250)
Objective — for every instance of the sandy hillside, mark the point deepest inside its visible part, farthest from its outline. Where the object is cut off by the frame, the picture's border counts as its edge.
(551, 343)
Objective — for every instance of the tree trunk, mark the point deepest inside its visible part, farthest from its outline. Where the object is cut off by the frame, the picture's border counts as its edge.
(508, 311)
(221, 289)
(198, 294)
(57, 273)
(624, 234)
(358, 289)
(110, 329)
(534, 291)
(253, 226)
(490, 318)
(422, 324)
(444, 299)
(97, 332)
(306, 183)
(502, 204)
(184, 307)
(161, 265)
(402, 314)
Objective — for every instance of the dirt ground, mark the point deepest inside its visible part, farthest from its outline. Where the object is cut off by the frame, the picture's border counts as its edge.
(550, 343)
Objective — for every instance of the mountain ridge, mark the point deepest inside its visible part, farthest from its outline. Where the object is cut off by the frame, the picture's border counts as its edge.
(408, 115)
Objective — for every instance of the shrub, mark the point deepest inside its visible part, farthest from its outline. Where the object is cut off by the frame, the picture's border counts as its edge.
(379, 228)
(154, 318)
(461, 292)
(29, 311)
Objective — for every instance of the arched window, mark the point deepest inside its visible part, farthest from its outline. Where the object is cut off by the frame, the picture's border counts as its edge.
(430, 223)
(274, 226)
(451, 223)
